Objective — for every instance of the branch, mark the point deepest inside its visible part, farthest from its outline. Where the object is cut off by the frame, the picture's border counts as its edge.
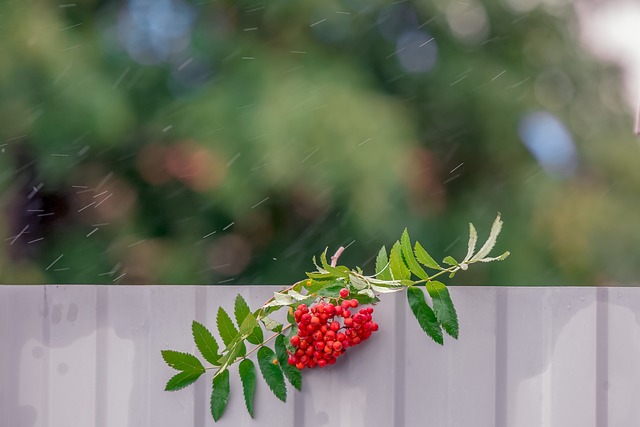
(334, 258)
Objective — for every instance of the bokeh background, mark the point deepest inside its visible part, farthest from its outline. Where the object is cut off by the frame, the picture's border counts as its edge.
(179, 142)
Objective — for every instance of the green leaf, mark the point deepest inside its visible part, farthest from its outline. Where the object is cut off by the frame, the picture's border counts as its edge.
(271, 372)
(256, 336)
(357, 282)
(240, 309)
(297, 296)
(424, 258)
(317, 284)
(235, 349)
(451, 261)
(293, 374)
(206, 343)
(365, 296)
(443, 307)
(333, 270)
(271, 324)
(423, 313)
(248, 324)
(182, 361)
(229, 335)
(407, 253)
(292, 331)
(220, 394)
(225, 326)
(332, 291)
(383, 271)
(320, 276)
(247, 372)
(386, 289)
(491, 241)
(251, 329)
(280, 299)
(399, 268)
(182, 379)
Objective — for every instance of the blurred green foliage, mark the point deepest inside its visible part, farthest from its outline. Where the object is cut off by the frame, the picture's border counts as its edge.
(229, 141)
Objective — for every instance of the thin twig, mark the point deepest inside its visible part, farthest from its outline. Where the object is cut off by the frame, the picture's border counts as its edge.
(334, 258)
(267, 340)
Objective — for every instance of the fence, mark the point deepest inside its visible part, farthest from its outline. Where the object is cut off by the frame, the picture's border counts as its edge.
(78, 356)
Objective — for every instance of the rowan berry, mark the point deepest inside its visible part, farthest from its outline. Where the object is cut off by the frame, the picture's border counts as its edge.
(321, 339)
(344, 292)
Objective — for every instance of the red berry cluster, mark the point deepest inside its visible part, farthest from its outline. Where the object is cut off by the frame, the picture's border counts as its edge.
(321, 338)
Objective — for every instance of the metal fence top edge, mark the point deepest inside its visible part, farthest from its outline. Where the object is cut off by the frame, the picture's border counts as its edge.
(282, 286)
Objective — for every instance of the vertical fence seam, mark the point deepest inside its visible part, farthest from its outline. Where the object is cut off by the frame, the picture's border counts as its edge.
(602, 358)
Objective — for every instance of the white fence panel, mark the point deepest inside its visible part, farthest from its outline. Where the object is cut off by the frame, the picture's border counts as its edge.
(90, 356)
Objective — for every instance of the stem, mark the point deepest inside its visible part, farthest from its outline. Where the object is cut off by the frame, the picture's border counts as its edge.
(430, 278)
(334, 258)
(266, 341)
(257, 347)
